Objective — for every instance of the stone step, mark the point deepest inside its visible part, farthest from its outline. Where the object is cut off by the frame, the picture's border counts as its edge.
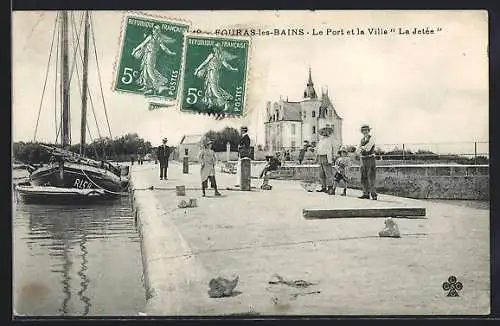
(396, 212)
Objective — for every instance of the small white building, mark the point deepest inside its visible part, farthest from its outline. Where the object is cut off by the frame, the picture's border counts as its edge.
(289, 124)
(193, 144)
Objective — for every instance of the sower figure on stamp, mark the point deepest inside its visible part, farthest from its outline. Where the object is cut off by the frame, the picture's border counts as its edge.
(342, 166)
(163, 153)
(151, 80)
(368, 168)
(208, 159)
(324, 157)
(210, 71)
(243, 151)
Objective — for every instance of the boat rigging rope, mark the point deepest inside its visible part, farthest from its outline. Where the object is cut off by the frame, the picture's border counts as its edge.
(100, 82)
(99, 73)
(106, 190)
(92, 142)
(79, 31)
(88, 128)
(58, 48)
(77, 47)
(42, 15)
(46, 77)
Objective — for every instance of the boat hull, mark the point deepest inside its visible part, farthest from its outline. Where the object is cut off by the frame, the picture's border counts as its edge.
(56, 195)
(78, 176)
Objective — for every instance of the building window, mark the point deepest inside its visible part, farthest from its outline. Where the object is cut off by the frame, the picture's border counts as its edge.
(304, 114)
(314, 130)
(294, 144)
(313, 114)
(293, 129)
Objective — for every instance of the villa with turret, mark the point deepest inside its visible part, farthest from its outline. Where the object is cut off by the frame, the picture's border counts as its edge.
(289, 124)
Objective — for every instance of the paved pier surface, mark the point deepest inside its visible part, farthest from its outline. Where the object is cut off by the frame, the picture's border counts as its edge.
(261, 233)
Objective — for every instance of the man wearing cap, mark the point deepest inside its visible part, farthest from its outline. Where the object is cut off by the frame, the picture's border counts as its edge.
(367, 153)
(324, 152)
(243, 151)
(163, 153)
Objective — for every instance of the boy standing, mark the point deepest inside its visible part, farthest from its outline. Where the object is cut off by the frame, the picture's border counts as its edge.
(342, 165)
(367, 152)
(324, 152)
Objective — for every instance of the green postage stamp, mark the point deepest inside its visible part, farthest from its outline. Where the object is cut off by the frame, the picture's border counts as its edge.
(215, 75)
(151, 57)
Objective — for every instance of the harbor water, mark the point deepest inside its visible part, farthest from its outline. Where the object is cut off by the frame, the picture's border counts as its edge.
(71, 260)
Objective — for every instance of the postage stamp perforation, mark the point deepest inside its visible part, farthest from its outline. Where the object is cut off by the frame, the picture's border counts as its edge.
(166, 19)
(251, 48)
(208, 35)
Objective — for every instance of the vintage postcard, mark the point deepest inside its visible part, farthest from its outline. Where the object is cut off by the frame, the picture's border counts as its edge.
(215, 74)
(250, 163)
(150, 58)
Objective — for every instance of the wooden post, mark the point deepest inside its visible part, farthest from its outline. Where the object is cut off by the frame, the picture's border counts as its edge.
(246, 172)
(375, 212)
(475, 152)
(185, 162)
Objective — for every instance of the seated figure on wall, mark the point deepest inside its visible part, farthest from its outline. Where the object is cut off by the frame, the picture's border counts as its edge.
(273, 164)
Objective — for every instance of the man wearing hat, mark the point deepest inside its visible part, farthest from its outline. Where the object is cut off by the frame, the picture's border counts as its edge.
(367, 153)
(208, 159)
(324, 157)
(243, 151)
(163, 153)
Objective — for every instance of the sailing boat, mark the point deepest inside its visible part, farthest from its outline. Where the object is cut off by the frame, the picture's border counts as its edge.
(70, 175)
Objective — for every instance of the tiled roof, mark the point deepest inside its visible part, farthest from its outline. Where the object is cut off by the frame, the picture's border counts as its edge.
(191, 139)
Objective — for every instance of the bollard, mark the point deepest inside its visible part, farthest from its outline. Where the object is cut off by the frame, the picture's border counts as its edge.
(185, 162)
(228, 151)
(246, 169)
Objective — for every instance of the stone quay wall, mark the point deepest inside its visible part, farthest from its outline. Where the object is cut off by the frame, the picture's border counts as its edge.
(462, 182)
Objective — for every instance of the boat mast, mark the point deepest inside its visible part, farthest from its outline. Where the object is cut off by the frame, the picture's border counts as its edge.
(83, 125)
(65, 81)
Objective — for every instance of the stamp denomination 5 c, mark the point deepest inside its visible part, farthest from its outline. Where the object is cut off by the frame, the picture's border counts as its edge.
(215, 74)
(151, 57)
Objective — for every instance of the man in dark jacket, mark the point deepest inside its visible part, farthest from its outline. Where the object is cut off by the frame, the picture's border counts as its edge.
(368, 166)
(244, 150)
(244, 146)
(163, 153)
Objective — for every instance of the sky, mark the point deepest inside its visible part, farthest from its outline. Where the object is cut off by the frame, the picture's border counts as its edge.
(409, 88)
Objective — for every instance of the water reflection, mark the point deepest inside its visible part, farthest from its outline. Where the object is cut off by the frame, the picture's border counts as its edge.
(76, 242)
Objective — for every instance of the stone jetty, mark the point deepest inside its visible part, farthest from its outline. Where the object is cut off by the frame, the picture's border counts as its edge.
(336, 266)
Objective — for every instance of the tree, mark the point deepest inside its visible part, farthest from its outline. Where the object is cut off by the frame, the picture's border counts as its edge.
(104, 148)
(222, 137)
